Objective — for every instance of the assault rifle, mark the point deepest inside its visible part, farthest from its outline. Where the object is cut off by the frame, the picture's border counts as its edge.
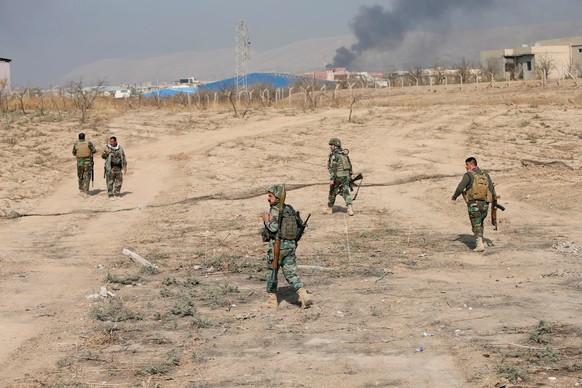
(92, 173)
(353, 181)
(301, 228)
(277, 247)
(494, 207)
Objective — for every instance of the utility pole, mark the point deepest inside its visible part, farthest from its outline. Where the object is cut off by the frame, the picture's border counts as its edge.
(243, 54)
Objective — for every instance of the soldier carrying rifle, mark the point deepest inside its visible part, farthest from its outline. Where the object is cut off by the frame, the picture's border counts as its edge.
(283, 228)
(478, 191)
(340, 176)
(84, 151)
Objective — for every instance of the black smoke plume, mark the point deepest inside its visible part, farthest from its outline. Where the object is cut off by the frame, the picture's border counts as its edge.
(379, 29)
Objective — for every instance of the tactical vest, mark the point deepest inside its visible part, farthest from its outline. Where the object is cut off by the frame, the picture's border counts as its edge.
(479, 190)
(83, 150)
(116, 158)
(344, 166)
(289, 223)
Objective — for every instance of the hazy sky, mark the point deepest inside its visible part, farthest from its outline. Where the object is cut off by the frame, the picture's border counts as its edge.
(47, 38)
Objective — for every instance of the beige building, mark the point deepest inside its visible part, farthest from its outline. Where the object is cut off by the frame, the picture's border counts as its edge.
(556, 58)
(5, 72)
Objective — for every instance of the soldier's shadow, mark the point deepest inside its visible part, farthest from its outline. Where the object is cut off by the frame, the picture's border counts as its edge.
(339, 209)
(469, 240)
(99, 191)
(288, 295)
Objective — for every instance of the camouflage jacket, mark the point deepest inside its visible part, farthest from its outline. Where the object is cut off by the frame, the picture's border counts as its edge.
(116, 158)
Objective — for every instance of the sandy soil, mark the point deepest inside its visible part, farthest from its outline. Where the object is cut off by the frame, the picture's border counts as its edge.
(403, 265)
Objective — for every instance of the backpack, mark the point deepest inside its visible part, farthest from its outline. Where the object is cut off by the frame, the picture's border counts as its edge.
(344, 165)
(479, 190)
(290, 224)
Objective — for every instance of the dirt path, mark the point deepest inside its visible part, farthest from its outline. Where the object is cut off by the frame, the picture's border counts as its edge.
(402, 266)
(54, 253)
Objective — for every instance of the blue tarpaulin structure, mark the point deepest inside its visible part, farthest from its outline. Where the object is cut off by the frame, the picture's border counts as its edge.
(170, 92)
(273, 80)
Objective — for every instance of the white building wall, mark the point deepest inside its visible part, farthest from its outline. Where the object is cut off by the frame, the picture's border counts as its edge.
(5, 72)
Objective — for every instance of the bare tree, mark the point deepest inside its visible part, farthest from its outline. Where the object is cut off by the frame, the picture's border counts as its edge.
(574, 67)
(265, 91)
(415, 74)
(545, 64)
(391, 78)
(439, 73)
(38, 93)
(306, 88)
(515, 70)
(308, 93)
(230, 95)
(489, 67)
(464, 68)
(84, 97)
(20, 94)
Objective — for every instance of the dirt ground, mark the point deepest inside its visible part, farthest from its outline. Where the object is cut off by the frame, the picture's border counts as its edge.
(403, 265)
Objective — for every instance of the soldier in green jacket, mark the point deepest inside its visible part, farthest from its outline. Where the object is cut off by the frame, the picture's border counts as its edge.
(115, 167)
(84, 151)
(340, 173)
(478, 191)
(287, 259)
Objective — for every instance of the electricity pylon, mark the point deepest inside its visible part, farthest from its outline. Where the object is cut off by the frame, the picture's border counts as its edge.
(243, 54)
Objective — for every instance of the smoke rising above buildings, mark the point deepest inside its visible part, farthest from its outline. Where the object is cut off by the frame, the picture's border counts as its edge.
(377, 29)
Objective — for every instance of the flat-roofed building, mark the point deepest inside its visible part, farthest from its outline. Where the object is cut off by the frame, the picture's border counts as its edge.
(5, 73)
(557, 58)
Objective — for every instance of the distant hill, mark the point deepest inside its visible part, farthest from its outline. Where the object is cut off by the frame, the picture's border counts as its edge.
(417, 49)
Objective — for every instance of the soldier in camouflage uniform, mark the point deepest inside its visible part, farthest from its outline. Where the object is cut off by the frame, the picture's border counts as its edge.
(84, 151)
(287, 258)
(115, 163)
(478, 191)
(340, 173)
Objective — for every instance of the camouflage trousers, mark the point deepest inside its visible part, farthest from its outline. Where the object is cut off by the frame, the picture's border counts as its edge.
(477, 215)
(288, 264)
(341, 186)
(114, 179)
(84, 175)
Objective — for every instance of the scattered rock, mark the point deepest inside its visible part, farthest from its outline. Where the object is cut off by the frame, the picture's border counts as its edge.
(567, 247)
(7, 212)
(104, 293)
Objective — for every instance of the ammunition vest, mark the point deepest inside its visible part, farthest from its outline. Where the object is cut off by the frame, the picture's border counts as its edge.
(116, 158)
(344, 166)
(479, 190)
(288, 223)
(83, 150)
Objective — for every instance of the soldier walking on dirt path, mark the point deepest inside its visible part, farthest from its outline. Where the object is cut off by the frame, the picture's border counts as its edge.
(280, 231)
(340, 173)
(115, 163)
(84, 151)
(478, 191)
